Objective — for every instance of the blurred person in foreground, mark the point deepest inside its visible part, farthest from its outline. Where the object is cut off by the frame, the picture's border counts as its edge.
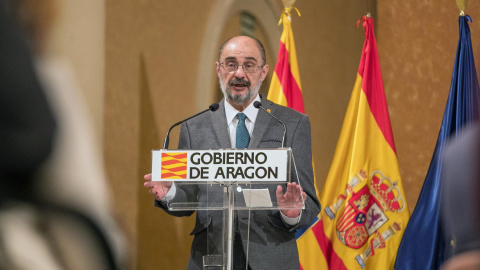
(241, 69)
(56, 212)
(461, 200)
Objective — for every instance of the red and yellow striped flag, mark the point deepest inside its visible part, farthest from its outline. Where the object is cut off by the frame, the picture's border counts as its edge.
(286, 89)
(364, 208)
(174, 165)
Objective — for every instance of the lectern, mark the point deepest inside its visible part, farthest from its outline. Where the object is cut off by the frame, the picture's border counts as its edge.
(225, 180)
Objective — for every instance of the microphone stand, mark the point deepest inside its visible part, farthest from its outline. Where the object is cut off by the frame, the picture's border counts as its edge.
(258, 105)
(212, 108)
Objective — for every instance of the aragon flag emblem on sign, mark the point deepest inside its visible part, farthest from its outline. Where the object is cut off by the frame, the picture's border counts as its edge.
(174, 165)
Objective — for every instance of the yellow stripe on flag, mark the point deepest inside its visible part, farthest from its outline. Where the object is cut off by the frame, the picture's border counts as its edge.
(177, 159)
(176, 165)
(309, 252)
(275, 92)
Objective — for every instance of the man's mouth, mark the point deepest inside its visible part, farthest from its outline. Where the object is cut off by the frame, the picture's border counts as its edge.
(239, 84)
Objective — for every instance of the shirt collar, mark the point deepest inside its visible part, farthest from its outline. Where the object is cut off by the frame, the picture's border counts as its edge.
(251, 112)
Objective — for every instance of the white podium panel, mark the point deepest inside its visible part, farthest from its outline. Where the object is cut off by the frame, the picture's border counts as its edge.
(259, 165)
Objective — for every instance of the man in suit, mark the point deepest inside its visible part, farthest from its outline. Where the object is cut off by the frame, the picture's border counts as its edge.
(241, 68)
(460, 200)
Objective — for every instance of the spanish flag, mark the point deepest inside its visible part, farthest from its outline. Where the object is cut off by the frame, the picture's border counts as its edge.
(365, 212)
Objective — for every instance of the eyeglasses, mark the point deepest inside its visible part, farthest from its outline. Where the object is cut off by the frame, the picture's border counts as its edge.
(247, 67)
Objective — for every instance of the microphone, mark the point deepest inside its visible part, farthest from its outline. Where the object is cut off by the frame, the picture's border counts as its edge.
(258, 105)
(212, 108)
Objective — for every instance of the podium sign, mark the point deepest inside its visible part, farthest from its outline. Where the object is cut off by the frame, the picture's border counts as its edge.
(225, 180)
(265, 165)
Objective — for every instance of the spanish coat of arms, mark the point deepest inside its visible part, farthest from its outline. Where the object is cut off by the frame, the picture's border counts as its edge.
(364, 212)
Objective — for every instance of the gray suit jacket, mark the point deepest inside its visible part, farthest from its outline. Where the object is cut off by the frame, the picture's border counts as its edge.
(272, 243)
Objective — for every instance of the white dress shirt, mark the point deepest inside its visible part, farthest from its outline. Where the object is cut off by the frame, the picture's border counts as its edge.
(232, 121)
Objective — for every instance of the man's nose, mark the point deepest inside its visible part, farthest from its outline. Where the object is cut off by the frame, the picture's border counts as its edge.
(240, 73)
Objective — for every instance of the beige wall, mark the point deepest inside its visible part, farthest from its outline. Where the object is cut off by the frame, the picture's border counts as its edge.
(152, 53)
(78, 36)
(417, 41)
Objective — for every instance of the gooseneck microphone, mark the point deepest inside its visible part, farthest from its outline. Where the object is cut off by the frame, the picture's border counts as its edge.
(212, 108)
(258, 105)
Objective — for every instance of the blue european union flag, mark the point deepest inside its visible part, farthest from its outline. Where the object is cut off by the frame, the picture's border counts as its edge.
(423, 245)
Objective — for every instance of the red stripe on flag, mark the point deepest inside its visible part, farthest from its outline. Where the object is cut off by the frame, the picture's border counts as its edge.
(177, 169)
(333, 260)
(167, 175)
(290, 88)
(177, 156)
(372, 84)
(348, 210)
(346, 224)
(173, 161)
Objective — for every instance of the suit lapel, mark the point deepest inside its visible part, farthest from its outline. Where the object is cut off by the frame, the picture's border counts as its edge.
(219, 122)
(261, 123)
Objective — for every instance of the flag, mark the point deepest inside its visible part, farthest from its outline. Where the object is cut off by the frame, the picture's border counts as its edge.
(174, 165)
(365, 212)
(423, 245)
(286, 89)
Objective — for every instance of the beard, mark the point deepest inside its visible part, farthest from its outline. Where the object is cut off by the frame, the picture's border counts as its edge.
(243, 98)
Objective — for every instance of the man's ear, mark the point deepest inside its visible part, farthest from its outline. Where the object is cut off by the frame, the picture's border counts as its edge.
(264, 72)
(217, 68)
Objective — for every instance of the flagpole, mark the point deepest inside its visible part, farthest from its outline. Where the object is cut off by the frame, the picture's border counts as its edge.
(368, 8)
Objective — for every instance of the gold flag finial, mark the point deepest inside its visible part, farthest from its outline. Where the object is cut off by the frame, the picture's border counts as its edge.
(286, 13)
(462, 4)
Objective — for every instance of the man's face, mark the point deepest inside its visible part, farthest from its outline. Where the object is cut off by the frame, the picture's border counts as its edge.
(241, 87)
